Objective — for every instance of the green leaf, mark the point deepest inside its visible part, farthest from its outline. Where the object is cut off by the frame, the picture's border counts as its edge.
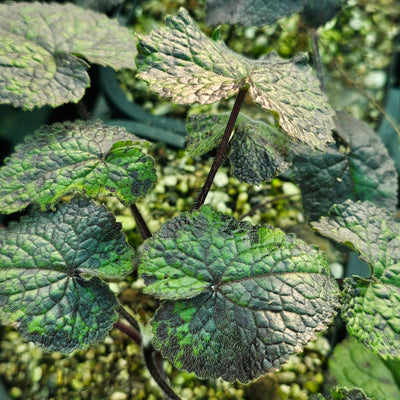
(370, 307)
(259, 150)
(240, 298)
(70, 157)
(44, 49)
(352, 365)
(357, 167)
(250, 12)
(50, 269)
(181, 62)
(369, 230)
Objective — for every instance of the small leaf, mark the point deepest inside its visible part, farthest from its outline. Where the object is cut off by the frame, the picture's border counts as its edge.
(44, 49)
(352, 365)
(241, 298)
(50, 269)
(370, 307)
(358, 167)
(250, 12)
(181, 62)
(259, 151)
(72, 157)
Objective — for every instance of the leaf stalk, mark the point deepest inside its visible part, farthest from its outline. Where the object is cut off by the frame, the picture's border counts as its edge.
(220, 157)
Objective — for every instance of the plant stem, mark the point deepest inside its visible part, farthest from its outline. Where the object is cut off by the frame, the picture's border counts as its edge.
(134, 332)
(317, 57)
(148, 353)
(129, 331)
(140, 222)
(83, 110)
(219, 158)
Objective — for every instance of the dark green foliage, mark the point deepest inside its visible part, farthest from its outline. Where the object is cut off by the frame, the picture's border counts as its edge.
(356, 167)
(372, 303)
(241, 298)
(51, 265)
(258, 150)
(73, 157)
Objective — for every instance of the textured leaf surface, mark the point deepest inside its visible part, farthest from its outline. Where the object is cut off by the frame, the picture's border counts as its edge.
(319, 12)
(258, 150)
(357, 167)
(240, 298)
(250, 12)
(353, 366)
(370, 307)
(369, 230)
(73, 157)
(43, 48)
(50, 269)
(181, 62)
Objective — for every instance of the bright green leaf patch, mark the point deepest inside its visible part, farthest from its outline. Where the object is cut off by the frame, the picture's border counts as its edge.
(370, 306)
(258, 150)
(67, 158)
(51, 265)
(44, 49)
(181, 62)
(240, 298)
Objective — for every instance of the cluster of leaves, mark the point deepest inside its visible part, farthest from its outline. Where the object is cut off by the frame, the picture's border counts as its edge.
(237, 299)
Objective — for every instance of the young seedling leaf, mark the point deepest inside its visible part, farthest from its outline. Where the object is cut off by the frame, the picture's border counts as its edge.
(239, 298)
(181, 62)
(51, 265)
(44, 50)
(70, 157)
(258, 150)
(352, 365)
(357, 167)
(250, 12)
(370, 307)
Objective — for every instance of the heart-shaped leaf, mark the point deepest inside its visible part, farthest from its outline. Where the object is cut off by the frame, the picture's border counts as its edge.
(50, 269)
(258, 150)
(250, 12)
(75, 157)
(370, 306)
(181, 62)
(240, 298)
(44, 49)
(357, 167)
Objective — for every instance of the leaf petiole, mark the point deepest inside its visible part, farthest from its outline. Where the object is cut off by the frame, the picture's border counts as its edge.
(219, 158)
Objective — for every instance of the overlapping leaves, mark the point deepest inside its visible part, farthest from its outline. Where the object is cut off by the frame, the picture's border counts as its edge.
(183, 63)
(239, 298)
(370, 306)
(51, 265)
(66, 158)
(258, 150)
(44, 49)
(357, 167)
